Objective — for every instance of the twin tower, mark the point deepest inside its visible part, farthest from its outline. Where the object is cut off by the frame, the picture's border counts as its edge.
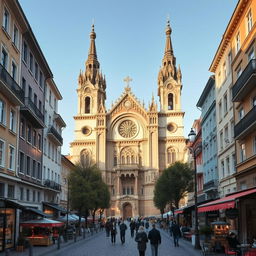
(131, 144)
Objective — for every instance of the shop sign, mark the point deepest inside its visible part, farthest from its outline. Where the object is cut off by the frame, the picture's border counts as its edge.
(214, 214)
(232, 213)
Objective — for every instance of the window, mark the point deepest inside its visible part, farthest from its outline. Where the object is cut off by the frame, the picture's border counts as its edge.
(29, 136)
(36, 71)
(22, 128)
(242, 152)
(224, 71)
(12, 120)
(220, 110)
(34, 195)
(2, 194)
(23, 85)
(21, 162)
(241, 113)
(2, 153)
(39, 141)
(38, 197)
(232, 124)
(34, 169)
(14, 71)
(48, 173)
(6, 20)
(228, 166)
(4, 59)
(50, 97)
(238, 72)
(35, 99)
(243, 185)
(15, 38)
(225, 103)
(226, 135)
(49, 149)
(40, 105)
(251, 54)
(31, 62)
(87, 105)
(238, 43)
(28, 195)
(41, 79)
(11, 157)
(55, 104)
(249, 21)
(223, 169)
(2, 112)
(34, 138)
(170, 101)
(25, 52)
(254, 145)
(234, 162)
(221, 140)
(28, 166)
(219, 78)
(10, 192)
(30, 92)
(229, 61)
(21, 194)
(39, 171)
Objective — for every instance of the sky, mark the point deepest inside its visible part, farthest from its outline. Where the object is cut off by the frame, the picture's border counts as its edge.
(130, 42)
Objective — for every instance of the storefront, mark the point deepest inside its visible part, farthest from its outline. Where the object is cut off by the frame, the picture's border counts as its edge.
(239, 210)
(53, 210)
(8, 223)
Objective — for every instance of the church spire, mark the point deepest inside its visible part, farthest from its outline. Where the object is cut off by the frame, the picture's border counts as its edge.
(92, 55)
(168, 45)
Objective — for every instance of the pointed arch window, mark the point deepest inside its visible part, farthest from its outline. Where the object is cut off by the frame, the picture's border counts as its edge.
(87, 107)
(170, 101)
(171, 155)
(85, 158)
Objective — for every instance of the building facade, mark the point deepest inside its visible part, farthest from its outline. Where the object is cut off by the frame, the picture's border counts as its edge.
(207, 103)
(130, 143)
(222, 68)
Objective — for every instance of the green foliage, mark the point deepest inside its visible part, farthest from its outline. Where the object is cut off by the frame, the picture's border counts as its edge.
(173, 185)
(88, 192)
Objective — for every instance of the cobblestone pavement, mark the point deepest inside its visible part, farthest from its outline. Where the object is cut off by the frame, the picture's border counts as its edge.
(101, 246)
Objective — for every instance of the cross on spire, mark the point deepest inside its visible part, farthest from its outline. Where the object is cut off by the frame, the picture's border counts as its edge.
(127, 80)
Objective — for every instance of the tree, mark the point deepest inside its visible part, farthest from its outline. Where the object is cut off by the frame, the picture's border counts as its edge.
(88, 192)
(173, 185)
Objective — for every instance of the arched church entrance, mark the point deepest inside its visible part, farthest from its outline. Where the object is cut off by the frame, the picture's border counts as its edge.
(127, 211)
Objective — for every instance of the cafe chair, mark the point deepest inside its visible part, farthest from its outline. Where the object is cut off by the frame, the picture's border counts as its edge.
(207, 249)
(229, 252)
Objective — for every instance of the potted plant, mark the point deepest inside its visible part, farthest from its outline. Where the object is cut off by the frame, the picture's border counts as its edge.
(20, 244)
(205, 233)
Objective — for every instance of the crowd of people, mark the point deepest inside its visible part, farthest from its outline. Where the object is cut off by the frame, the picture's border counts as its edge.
(142, 232)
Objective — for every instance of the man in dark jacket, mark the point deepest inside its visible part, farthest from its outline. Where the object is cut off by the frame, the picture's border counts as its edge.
(155, 239)
(123, 228)
(132, 227)
(175, 229)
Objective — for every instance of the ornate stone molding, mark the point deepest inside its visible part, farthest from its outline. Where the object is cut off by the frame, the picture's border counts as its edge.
(82, 143)
(85, 117)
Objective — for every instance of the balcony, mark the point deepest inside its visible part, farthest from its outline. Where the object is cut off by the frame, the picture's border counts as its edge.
(10, 88)
(52, 185)
(31, 111)
(55, 136)
(246, 82)
(210, 185)
(132, 166)
(246, 125)
(59, 119)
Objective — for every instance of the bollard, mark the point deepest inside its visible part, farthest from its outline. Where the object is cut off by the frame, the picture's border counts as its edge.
(7, 252)
(58, 247)
(30, 252)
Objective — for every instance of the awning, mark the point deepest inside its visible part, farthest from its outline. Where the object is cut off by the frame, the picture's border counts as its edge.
(37, 212)
(183, 209)
(225, 202)
(55, 207)
(5, 203)
(42, 223)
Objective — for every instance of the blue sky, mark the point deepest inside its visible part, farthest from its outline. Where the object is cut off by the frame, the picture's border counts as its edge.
(130, 41)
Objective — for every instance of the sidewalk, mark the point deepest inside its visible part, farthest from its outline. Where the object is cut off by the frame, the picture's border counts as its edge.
(46, 250)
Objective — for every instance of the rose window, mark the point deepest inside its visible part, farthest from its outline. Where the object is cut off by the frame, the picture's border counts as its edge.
(127, 129)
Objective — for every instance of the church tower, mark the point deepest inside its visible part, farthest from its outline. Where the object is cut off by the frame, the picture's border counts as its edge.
(169, 78)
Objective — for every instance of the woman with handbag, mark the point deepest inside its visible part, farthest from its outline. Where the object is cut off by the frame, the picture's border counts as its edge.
(141, 239)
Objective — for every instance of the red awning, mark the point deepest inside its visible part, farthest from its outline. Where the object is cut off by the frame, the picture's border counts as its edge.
(225, 202)
(178, 211)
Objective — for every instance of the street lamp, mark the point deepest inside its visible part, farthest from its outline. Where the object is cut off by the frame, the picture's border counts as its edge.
(192, 137)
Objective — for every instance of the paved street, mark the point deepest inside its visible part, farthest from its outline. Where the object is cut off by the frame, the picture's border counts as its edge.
(101, 246)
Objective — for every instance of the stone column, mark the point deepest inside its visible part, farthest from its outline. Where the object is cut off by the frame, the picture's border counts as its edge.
(136, 184)
(118, 185)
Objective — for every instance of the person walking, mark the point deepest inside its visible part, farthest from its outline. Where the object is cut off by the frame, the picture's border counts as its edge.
(123, 228)
(132, 227)
(147, 226)
(107, 227)
(113, 232)
(141, 239)
(155, 239)
(176, 233)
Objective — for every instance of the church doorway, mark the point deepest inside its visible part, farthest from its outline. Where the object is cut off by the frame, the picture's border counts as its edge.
(127, 211)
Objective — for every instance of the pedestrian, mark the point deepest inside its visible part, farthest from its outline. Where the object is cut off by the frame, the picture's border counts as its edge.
(155, 239)
(123, 228)
(113, 232)
(107, 227)
(137, 225)
(147, 226)
(132, 227)
(141, 239)
(175, 229)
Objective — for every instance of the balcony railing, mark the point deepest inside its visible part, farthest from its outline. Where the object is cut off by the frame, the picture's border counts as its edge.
(210, 185)
(245, 125)
(52, 184)
(245, 82)
(55, 135)
(127, 166)
(11, 84)
(33, 113)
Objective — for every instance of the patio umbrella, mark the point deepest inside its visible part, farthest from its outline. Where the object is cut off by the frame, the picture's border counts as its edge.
(42, 223)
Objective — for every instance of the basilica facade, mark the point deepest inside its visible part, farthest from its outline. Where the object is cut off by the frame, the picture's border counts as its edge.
(130, 143)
